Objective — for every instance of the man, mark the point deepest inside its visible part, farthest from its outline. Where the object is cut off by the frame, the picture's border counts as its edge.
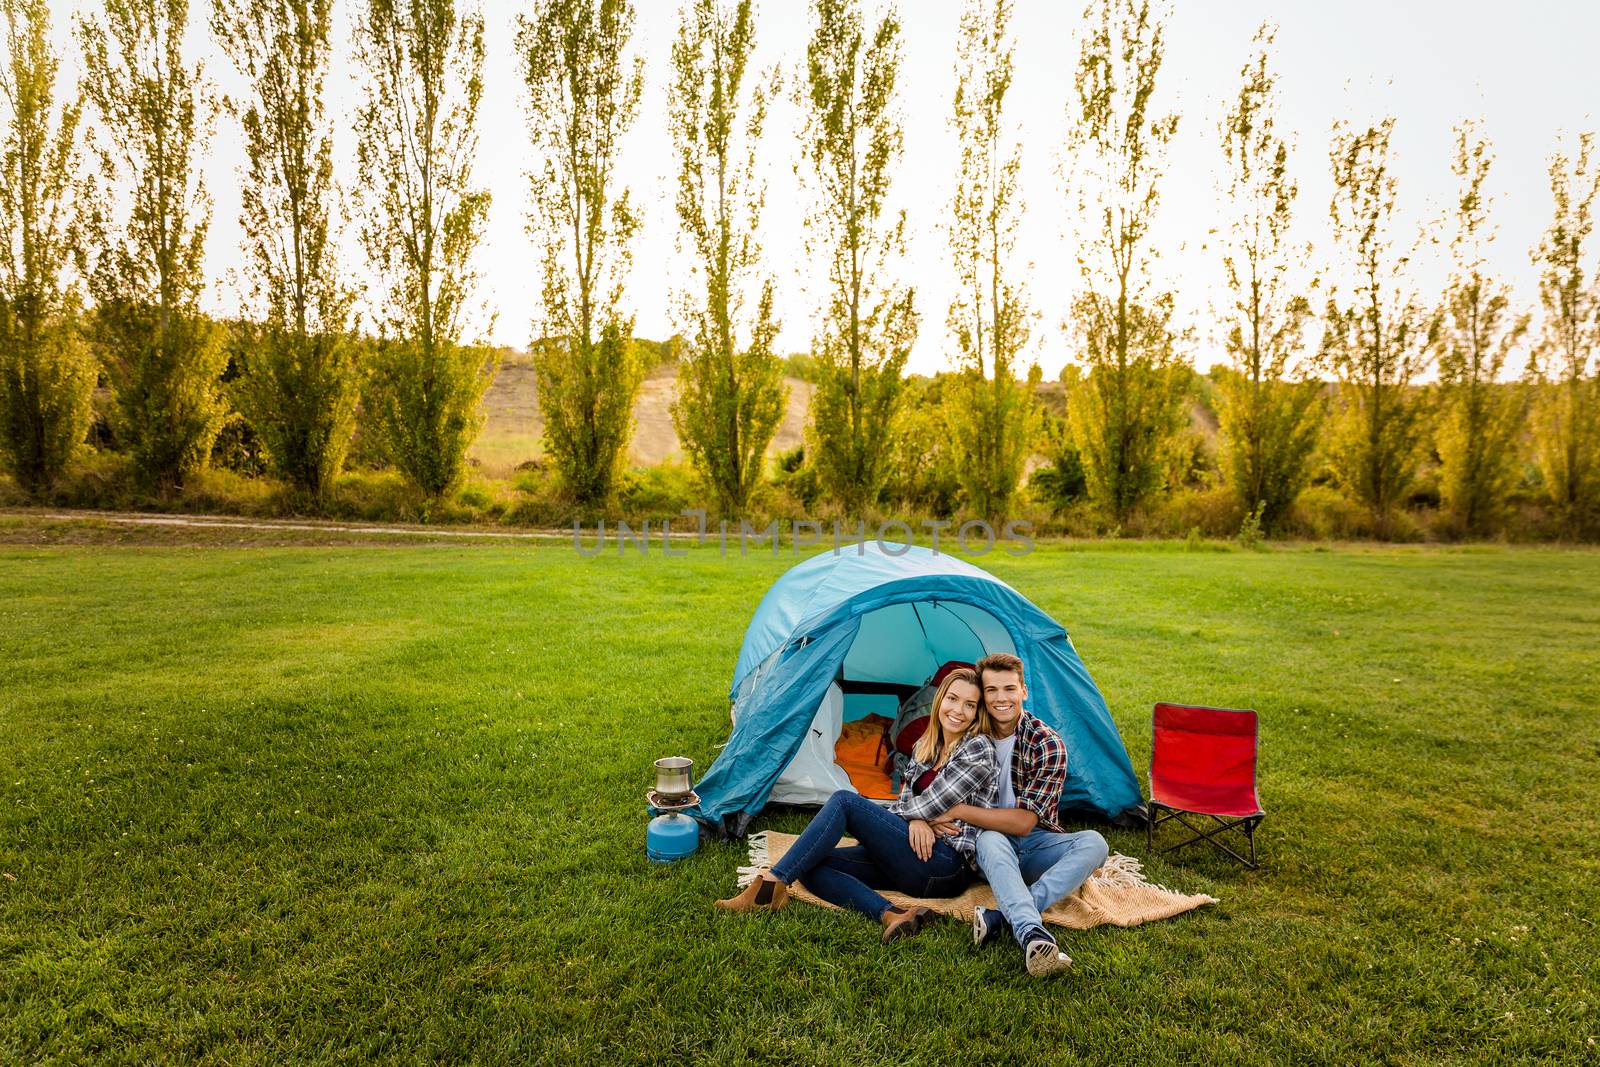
(1029, 860)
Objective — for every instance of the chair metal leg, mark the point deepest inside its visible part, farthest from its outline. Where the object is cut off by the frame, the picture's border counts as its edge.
(1246, 826)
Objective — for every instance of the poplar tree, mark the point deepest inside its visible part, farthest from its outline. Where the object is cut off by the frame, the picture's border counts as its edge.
(165, 359)
(1269, 422)
(993, 416)
(46, 373)
(852, 142)
(730, 390)
(1376, 336)
(421, 221)
(1128, 410)
(299, 379)
(583, 95)
(1477, 330)
(1564, 369)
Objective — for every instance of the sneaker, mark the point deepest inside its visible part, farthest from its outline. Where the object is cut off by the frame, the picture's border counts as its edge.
(1043, 958)
(988, 926)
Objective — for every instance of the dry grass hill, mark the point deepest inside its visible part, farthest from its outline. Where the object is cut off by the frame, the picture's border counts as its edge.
(513, 424)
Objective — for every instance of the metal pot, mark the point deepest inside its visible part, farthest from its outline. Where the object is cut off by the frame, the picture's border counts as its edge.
(672, 776)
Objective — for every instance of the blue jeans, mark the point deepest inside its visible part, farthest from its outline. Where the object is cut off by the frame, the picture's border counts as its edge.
(849, 877)
(1028, 874)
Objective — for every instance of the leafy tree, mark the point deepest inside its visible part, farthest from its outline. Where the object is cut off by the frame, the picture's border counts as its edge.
(422, 220)
(924, 474)
(1479, 419)
(1564, 368)
(46, 374)
(1269, 423)
(852, 141)
(1129, 407)
(730, 393)
(583, 96)
(1376, 341)
(299, 380)
(993, 417)
(164, 357)
(1062, 482)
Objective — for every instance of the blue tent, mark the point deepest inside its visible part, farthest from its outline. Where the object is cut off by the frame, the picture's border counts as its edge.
(893, 614)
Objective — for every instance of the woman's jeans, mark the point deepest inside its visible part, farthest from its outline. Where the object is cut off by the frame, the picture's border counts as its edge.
(883, 860)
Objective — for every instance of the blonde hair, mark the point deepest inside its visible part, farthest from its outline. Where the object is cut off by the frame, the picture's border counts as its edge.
(933, 747)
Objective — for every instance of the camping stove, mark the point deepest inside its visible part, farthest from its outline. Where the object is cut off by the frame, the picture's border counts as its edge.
(672, 835)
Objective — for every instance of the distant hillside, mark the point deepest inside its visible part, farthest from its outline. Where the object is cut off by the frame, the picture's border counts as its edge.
(513, 424)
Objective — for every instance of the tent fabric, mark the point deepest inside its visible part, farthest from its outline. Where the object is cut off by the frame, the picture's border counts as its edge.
(812, 775)
(897, 613)
(816, 587)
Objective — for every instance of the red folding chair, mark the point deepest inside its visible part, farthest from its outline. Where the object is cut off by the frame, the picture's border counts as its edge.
(1203, 763)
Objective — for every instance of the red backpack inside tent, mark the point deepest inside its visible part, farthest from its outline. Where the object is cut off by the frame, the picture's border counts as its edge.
(901, 736)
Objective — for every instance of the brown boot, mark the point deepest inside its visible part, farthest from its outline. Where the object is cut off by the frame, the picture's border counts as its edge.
(898, 924)
(763, 894)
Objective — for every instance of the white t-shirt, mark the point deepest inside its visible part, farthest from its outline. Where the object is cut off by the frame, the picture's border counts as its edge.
(1007, 797)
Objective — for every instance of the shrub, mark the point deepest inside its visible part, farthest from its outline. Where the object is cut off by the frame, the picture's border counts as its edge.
(659, 492)
(422, 403)
(167, 384)
(101, 480)
(238, 448)
(1060, 484)
(1212, 509)
(1250, 529)
(798, 478)
(1326, 514)
(376, 496)
(225, 492)
(475, 497)
(299, 392)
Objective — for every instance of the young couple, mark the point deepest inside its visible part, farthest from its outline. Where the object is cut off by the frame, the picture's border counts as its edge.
(981, 796)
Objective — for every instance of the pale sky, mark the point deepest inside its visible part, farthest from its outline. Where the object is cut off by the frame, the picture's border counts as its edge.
(1528, 70)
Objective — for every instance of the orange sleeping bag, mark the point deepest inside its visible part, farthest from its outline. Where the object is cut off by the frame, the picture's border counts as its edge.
(860, 752)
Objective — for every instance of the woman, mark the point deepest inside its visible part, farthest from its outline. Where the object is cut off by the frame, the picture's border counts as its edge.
(952, 763)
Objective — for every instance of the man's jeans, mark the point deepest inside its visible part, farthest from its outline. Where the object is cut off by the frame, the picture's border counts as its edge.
(1028, 874)
(883, 860)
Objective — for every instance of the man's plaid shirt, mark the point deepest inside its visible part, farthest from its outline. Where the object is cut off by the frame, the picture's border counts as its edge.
(1039, 771)
(970, 777)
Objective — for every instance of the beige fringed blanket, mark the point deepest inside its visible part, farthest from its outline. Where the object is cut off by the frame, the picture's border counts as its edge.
(1116, 893)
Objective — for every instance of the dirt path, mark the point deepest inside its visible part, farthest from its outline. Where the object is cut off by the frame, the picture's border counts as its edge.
(256, 524)
(39, 526)
(36, 526)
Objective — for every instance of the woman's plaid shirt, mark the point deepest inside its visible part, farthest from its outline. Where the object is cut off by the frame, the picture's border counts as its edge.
(970, 777)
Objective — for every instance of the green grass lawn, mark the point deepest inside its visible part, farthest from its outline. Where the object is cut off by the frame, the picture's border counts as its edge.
(264, 805)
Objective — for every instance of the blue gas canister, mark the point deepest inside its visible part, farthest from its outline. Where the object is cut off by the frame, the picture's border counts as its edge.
(671, 837)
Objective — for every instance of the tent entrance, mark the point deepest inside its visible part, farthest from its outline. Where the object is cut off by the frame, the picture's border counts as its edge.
(896, 650)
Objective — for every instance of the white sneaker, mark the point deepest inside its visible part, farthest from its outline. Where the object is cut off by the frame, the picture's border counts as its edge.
(1044, 958)
(987, 926)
